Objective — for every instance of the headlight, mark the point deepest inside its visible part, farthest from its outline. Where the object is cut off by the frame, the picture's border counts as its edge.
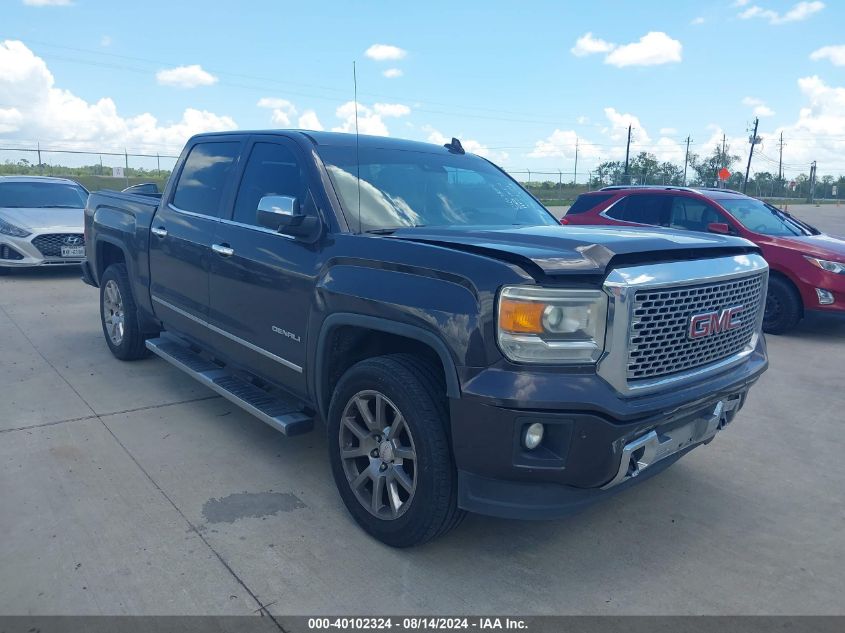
(11, 229)
(829, 266)
(550, 325)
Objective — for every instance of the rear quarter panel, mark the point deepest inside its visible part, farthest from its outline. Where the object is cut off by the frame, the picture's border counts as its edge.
(121, 220)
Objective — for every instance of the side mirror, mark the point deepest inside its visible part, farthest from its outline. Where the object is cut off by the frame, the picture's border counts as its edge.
(283, 214)
(722, 228)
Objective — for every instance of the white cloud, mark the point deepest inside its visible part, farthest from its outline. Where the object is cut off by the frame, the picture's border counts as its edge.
(588, 45)
(35, 108)
(385, 52)
(835, 54)
(470, 145)
(652, 49)
(370, 119)
(10, 119)
(309, 121)
(619, 123)
(819, 131)
(698, 20)
(392, 73)
(105, 41)
(186, 77)
(759, 106)
(282, 109)
(798, 12)
(668, 131)
(47, 3)
(741, 3)
(392, 109)
(561, 144)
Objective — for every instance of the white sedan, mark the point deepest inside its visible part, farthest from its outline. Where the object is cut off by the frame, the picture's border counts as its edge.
(41, 222)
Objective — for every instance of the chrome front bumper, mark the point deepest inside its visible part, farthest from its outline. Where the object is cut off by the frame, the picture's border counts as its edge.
(644, 452)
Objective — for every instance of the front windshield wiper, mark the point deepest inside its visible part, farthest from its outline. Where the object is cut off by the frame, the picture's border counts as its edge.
(383, 231)
(393, 229)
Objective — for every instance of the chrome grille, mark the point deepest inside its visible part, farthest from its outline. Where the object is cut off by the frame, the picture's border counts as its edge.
(659, 344)
(51, 244)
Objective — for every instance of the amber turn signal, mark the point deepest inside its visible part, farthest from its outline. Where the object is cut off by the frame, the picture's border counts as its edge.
(524, 317)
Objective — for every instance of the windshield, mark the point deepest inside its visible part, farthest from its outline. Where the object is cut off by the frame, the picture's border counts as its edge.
(42, 194)
(402, 188)
(761, 218)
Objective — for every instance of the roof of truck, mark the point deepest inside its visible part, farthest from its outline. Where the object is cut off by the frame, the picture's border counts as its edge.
(341, 139)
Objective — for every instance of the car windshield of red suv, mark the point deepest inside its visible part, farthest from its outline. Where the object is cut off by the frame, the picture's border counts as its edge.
(761, 218)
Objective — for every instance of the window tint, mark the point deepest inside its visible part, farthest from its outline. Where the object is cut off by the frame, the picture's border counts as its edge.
(204, 176)
(691, 214)
(586, 202)
(272, 170)
(643, 209)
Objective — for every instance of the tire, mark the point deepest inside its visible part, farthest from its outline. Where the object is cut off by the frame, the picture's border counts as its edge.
(414, 390)
(783, 307)
(119, 315)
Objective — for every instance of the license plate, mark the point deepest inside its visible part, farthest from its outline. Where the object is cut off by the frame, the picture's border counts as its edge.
(73, 251)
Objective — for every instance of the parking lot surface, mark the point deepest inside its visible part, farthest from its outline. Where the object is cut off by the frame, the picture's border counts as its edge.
(127, 488)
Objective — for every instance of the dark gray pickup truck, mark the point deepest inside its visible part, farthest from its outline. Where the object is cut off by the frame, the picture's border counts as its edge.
(464, 351)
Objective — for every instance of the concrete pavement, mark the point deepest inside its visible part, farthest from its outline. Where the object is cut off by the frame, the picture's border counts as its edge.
(128, 489)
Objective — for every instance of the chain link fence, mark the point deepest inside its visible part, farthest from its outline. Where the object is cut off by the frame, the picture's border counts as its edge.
(553, 187)
(94, 170)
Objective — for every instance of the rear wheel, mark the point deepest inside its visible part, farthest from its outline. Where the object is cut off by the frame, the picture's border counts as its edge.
(783, 307)
(389, 450)
(119, 315)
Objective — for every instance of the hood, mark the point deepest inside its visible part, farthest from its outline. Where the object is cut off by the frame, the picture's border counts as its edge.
(558, 250)
(823, 246)
(41, 219)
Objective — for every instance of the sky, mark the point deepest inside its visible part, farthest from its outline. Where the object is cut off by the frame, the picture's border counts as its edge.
(518, 82)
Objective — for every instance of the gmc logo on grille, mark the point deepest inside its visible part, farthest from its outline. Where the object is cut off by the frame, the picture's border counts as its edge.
(708, 323)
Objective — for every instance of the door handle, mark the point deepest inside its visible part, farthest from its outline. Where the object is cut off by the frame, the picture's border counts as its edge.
(159, 231)
(223, 250)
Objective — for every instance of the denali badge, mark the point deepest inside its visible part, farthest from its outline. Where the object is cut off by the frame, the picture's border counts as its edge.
(701, 325)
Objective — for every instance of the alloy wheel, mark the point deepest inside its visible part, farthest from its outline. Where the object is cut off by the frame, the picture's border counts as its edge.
(378, 454)
(113, 312)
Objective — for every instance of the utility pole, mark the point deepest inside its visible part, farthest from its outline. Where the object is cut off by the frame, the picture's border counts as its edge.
(686, 160)
(813, 182)
(750, 154)
(780, 160)
(627, 154)
(724, 149)
(575, 178)
(39, 157)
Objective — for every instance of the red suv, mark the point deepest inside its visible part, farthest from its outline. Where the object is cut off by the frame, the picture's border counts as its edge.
(807, 266)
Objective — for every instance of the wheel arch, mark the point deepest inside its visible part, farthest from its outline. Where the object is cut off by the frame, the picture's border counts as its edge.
(386, 332)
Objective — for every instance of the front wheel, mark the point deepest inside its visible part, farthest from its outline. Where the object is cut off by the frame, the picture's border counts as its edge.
(119, 315)
(783, 307)
(389, 450)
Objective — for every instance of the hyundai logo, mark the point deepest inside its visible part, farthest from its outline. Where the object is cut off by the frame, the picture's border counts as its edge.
(709, 323)
(72, 240)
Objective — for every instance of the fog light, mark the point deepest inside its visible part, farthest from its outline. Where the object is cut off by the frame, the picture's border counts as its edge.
(825, 296)
(533, 436)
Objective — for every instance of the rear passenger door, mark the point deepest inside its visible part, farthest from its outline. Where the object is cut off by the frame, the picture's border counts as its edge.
(182, 232)
(642, 208)
(262, 288)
